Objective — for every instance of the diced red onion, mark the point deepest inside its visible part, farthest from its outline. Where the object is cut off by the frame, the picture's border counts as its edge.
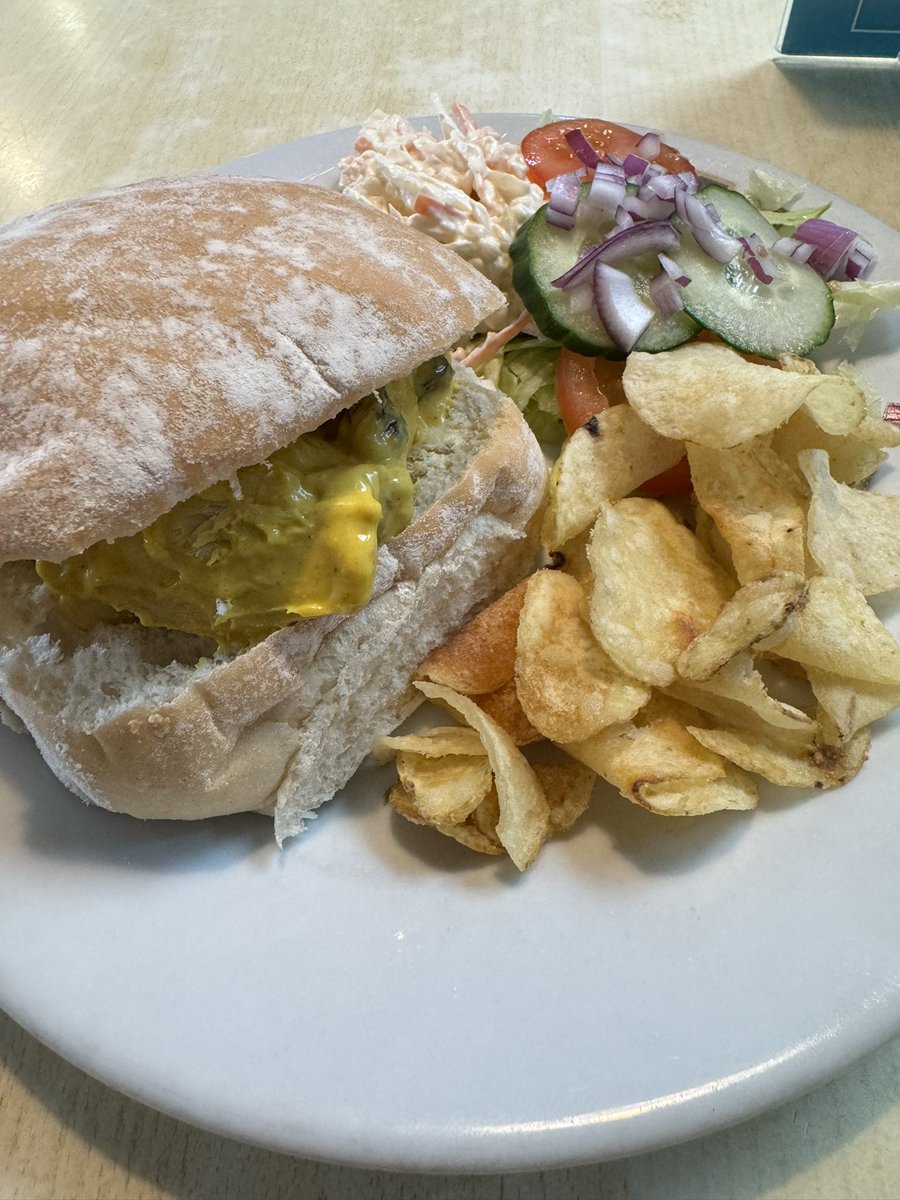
(649, 146)
(689, 208)
(657, 210)
(611, 171)
(664, 186)
(580, 146)
(789, 247)
(565, 192)
(859, 261)
(634, 168)
(623, 313)
(710, 234)
(623, 218)
(892, 413)
(637, 207)
(689, 179)
(673, 270)
(665, 294)
(754, 248)
(819, 231)
(832, 245)
(581, 298)
(644, 237)
(865, 249)
(834, 251)
(580, 173)
(831, 261)
(606, 194)
(578, 272)
(758, 269)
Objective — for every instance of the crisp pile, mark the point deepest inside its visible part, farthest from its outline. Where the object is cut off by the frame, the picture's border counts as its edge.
(658, 652)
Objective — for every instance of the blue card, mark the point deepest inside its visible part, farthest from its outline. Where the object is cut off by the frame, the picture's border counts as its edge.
(841, 28)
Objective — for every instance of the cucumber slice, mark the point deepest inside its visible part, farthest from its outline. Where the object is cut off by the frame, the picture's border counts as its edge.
(541, 252)
(792, 314)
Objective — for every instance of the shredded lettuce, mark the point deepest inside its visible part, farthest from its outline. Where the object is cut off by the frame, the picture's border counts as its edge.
(856, 303)
(768, 190)
(792, 219)
(528, 376)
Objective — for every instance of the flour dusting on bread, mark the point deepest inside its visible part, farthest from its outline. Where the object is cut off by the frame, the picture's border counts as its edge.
(153, 319)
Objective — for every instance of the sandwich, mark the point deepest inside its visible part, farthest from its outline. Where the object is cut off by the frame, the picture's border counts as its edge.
(244, 489)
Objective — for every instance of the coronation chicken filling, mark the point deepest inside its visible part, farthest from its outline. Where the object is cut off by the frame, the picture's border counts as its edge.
(292, 537)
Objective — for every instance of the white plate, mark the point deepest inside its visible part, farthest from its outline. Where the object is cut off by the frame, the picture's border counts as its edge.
(377, 995)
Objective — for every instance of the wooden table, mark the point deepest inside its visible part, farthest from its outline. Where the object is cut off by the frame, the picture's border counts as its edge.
(94, 92)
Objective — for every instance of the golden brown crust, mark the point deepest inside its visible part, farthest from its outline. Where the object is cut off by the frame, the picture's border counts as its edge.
(157, 337)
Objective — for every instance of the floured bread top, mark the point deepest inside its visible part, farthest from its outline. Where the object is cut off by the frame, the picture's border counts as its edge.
(157, 337)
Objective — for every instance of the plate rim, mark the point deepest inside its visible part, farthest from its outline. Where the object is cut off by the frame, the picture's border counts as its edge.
(663, 1121)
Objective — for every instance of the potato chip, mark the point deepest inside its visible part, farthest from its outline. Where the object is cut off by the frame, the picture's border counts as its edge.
(837, 631)
(473, 838)
(709, 537)
(707, 393)
(797, 364)
(852, 459)
(605, 460)
(829, 733)
(837, 404)
(481, 656)
(524, 820)
(433, 743)
(486, 817)
(850, 703)
(504, 707)
(568, 686)
(852, 535)
(568, 788)
(737, 695)
(404, 803)
(822, 766)
(572, 559)
(655, 588)
(873, 430)
(443, 790)
(656, 763)
(479, 830)
(755, 612)
(637, 654)
(734, 790)
(754, 501)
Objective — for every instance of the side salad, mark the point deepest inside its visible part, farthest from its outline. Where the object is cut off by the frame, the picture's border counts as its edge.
(606, 241)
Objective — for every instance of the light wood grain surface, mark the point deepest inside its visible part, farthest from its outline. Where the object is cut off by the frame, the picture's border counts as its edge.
(94, 92)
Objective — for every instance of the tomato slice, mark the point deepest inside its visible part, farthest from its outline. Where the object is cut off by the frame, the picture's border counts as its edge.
(674, 482)
(548, 154)
(585, 387)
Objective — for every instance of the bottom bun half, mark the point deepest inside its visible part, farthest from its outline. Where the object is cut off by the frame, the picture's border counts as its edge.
(160, 725)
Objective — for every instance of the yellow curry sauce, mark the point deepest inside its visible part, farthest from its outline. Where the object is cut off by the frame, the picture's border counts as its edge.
(295, 536)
